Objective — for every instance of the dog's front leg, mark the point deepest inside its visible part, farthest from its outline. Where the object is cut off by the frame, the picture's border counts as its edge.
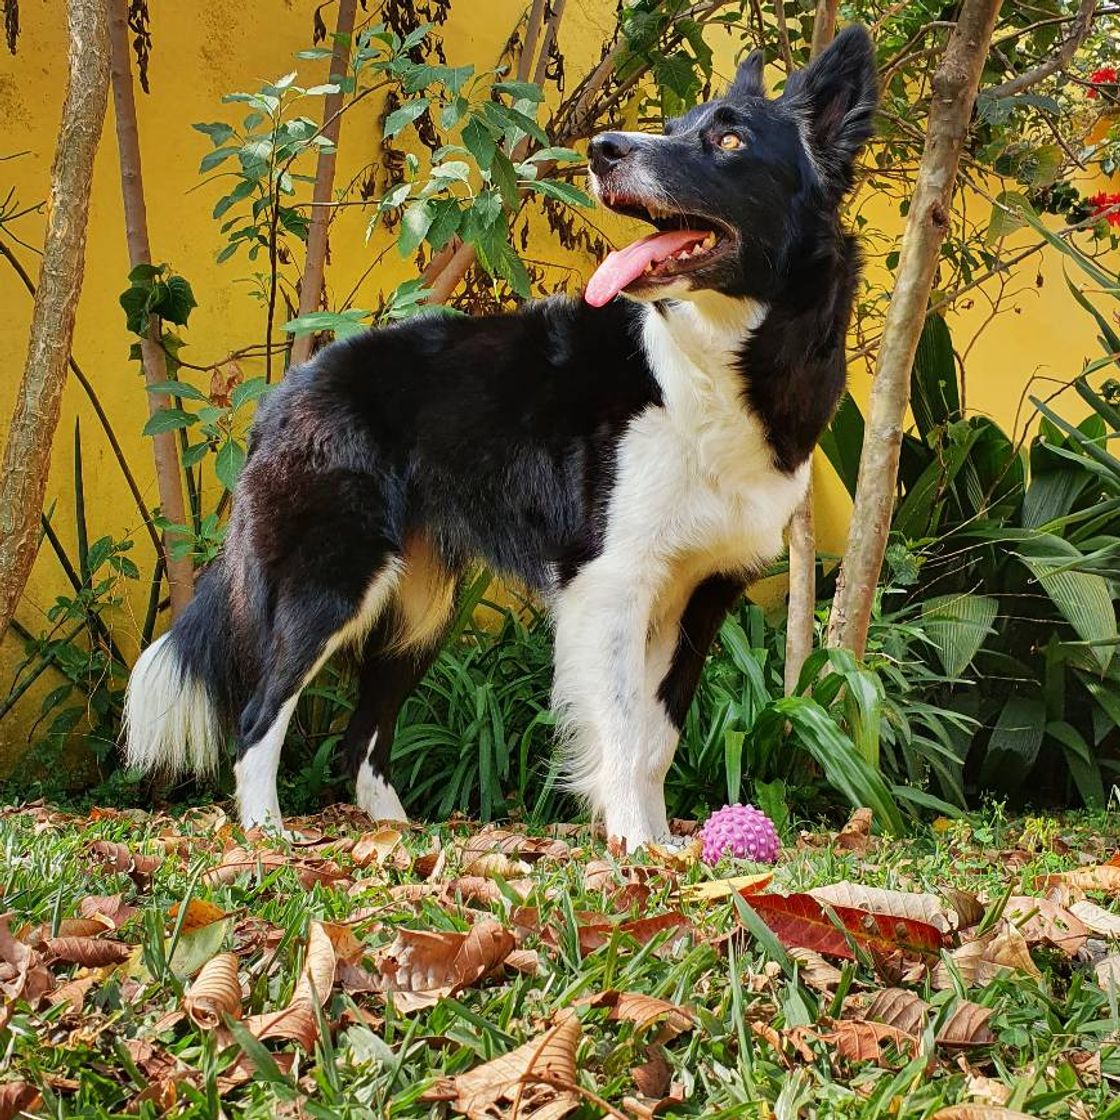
(602, 622)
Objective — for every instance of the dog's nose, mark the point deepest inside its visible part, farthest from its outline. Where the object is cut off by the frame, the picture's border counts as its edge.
(608, 149)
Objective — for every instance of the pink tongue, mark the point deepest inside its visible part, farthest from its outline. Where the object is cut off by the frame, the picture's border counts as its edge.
(624, 266)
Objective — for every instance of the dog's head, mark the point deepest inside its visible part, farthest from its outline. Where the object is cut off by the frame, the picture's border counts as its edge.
(736, 186)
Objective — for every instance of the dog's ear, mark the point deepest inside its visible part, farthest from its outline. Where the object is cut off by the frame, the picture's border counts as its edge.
(748, 78)
(837, 95)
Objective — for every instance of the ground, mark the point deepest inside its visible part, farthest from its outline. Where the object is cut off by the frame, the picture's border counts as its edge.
(162, 965)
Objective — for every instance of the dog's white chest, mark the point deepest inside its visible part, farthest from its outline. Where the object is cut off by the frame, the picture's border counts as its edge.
(697, 488)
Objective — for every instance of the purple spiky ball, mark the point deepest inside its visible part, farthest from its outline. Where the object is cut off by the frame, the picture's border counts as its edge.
(740, 831)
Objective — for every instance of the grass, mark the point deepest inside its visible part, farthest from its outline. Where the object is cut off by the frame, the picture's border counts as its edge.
(748, 1046)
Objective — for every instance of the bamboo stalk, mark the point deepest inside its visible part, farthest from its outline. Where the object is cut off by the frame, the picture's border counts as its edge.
(180, 570)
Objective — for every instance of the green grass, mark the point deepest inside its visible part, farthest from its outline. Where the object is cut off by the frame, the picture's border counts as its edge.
(372, 1061)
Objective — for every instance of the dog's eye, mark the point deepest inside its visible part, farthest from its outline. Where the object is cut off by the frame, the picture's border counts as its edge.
(729, 141)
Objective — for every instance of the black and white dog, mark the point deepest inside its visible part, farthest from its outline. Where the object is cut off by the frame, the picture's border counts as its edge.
(633, 460)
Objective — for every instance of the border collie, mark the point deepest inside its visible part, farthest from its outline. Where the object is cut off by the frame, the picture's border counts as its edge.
(634, 461)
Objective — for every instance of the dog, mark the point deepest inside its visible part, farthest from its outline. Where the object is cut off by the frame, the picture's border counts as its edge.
(633, 457)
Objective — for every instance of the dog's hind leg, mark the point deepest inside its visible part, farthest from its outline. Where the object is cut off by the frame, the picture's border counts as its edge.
(310, 623)
(398, 652)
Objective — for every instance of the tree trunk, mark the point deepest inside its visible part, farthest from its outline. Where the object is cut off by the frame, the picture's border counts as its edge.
(311, 286)
(802, 604)
(27, 452)
(954, 92)
(169, 476)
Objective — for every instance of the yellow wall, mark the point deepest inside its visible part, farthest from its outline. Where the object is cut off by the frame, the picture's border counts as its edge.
(202, 50)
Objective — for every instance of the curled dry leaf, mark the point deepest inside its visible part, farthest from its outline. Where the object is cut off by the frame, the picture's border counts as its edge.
(967, 907)
(496, 865)
(1096, 918)
(375, 847)
(116, 857)
(215, 993)
(68, 927)
(428, 965)
(653, 1077)
(73, 993)
(110, 908)
(1042, 921)
(18, 1097)
(643, 1011)
(855, 836)
(676, 857)
(1108, 972)
(897, 904)
(599, 930)
(815, 971)
(799, 920)
(896, 1007)
(967, 1025)
(90, 952)
(241, 861)
(979, 1112)
(298, 1021)
(200, 912)
(22, 972)
(534, 1082)
(979, 962)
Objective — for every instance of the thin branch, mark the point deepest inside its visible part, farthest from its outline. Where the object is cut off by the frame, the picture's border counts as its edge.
(1059, 60)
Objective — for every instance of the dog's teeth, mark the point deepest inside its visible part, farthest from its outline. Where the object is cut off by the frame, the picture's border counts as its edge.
(709, 241)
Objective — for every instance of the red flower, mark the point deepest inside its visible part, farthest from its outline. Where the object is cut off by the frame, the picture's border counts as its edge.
(1106, 202)
(1105, 76)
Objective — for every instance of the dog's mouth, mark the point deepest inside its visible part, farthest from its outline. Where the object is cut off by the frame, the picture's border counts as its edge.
(684, 243)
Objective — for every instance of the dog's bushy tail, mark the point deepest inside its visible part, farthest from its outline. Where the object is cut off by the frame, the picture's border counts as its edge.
(184, 692)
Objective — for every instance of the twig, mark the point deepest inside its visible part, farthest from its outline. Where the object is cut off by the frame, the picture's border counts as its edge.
(1079, 31)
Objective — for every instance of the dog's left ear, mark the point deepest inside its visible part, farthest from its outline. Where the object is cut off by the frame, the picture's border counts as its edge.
(748, 78)
(837, 95)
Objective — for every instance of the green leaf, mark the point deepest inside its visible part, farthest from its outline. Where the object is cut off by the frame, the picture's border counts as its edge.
(228, 463)
(143, 274)
(934, 396)
(178, 301)
(1083, 598)
(958, 626)
(479, 142)
(558, 155)
(1082, 765)
(182, 389)
(251, 390)
(168, 420)
(218, 132)
(1007, 215)
(1014, 743)
(212, 159)
(505, 179)
(842, 442)
(135, 303)
(342, 323)
(520, 91)
(415, 223)
(565, 192)
(404, 116)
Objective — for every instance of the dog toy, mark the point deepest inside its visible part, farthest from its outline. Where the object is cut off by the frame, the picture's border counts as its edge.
(741, 831)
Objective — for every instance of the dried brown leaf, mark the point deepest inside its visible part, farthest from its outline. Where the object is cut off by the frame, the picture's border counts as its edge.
(979, 1112)
(215, 993)
(533, 1082)
(859, 1040)
(110, 908)
(18, 1097)
(815, 971)
(855, 836)
(1108, 972)
(966, 1026)
(1096, 918)
(118, 858)
(90, 952)
(375, 847)
(896, 1007)
(1042, 921)
(1101, 878)
(643, 1011)
(967, 907)
(711, 889)
(299, 1020)
(898, 904)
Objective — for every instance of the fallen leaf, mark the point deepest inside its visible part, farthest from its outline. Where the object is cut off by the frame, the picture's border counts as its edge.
(117, 857)
(432, 964)
(925, 908)
(1108, 972)
(855, 836)
(533, 1082)
(979, 1112)
(73, 993)
(979, 962)
(676, 857)
(653, 1077)
(598, 930)
(215, 993)
(1096, 918)
(967, 1025)
(1103, 878)
(90, 952)
(17, 1097)
(375, 847)
(859, 1040)
(967, 907)
(712, 889)
(199, 913)
(814, 970)
(68, 927)
(241, 861)
(800, 920)
(110, 908)
(1042, 921)
(896, 1007)
(643, 1011)
(298, 1021)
